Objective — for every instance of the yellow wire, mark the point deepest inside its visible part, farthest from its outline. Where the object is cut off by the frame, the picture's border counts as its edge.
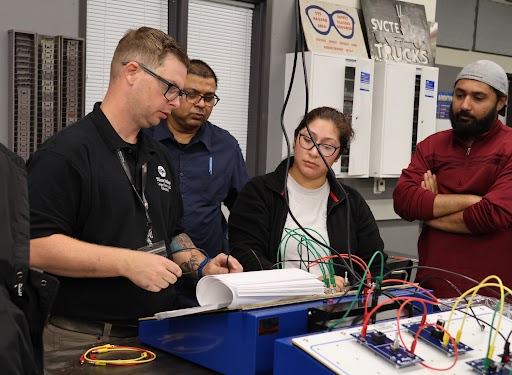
(502, 296)
(111, 348)
(474, 290)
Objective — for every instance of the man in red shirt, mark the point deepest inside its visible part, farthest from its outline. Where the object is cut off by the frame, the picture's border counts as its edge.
(459, 183)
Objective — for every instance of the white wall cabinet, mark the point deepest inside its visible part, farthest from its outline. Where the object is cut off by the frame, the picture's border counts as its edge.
(341, 82)
(404, 113)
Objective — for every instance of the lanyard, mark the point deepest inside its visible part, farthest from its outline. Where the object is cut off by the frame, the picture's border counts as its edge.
(142, 199)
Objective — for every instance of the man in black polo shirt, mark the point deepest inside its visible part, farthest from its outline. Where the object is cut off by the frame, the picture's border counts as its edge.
(100, 189)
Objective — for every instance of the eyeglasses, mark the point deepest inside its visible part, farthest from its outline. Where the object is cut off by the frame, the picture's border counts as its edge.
(307, 144)
(171, 92)
(322, 21)
(194, 98)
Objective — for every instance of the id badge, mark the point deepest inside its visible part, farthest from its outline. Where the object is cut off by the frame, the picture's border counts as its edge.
(157, 248)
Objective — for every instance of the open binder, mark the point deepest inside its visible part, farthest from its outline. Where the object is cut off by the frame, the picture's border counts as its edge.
(234, 290)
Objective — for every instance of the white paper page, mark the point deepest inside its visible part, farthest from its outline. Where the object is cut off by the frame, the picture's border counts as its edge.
(263, 286)
(262, 277)
(188, 311)
(285, 285)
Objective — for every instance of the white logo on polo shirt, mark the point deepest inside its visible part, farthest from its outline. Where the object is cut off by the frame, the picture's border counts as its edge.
(162, 182)
(161, 170)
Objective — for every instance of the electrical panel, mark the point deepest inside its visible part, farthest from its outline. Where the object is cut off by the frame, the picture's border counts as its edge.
(404, 113)
(341, 82)
(22, 93)
(46, 87)
(72, 80)
(47, 65)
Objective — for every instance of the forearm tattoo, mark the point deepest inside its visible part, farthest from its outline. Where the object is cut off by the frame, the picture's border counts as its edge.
(180, 242)
(192, 265)
(183, 243)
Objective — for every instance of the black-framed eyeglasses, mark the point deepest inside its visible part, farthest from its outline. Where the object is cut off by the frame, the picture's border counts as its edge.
(307, 144)
(195, 98)
(171, 92)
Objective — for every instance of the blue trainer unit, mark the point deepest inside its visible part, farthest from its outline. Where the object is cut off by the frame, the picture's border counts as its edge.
(234, 341)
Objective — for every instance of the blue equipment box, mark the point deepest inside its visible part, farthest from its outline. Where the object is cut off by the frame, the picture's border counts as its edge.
(234, 341)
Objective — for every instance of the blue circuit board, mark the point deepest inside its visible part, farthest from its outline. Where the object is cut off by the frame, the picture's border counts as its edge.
(478, 366)
(426, 336)
(399, 357)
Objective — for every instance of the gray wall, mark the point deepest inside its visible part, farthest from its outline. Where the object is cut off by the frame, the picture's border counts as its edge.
(48, 17)
(282, 42)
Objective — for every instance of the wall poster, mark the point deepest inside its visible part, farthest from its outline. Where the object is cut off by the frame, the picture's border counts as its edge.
(332, 28)
(397, 31)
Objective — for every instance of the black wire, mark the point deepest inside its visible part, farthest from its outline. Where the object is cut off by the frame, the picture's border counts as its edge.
(384, 292)
(309, 262)
(299, 41)
(244, 245)
(497, 294)
(345, 292)
(508, 337)
(478, 320)
(460, 293)
(472, 314)
(390, 295)
(329, 169)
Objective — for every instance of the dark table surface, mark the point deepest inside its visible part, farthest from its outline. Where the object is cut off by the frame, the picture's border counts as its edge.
(68, 362)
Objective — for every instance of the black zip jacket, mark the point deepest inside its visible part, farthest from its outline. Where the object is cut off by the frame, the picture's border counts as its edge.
(256, 223)
(25, 294)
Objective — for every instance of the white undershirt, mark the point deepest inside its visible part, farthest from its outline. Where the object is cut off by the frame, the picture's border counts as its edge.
(309, 206)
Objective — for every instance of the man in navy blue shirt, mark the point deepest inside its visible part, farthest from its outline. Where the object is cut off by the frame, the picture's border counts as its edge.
(208, 160)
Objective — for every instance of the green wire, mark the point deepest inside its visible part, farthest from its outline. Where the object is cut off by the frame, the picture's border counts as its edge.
(326, 268)
(487, 363)
(300, 238)
(336, 323)
(291, 233)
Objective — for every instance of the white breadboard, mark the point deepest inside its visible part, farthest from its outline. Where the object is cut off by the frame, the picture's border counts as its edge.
(342, 353)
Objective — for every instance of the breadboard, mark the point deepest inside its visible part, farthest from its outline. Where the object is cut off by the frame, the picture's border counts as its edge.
(341, 353)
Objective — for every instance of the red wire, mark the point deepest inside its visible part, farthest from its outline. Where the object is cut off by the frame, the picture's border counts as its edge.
(399, 314)
(367, 318)
(399, 281)
(355, 259)
(456, 349)
(366, 301)
(361, 263)
(408, 299)
(413, 285)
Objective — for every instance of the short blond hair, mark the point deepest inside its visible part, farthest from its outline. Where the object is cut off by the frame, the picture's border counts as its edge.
(148, 46)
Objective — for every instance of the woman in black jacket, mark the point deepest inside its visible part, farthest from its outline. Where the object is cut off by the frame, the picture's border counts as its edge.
(262, 233)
